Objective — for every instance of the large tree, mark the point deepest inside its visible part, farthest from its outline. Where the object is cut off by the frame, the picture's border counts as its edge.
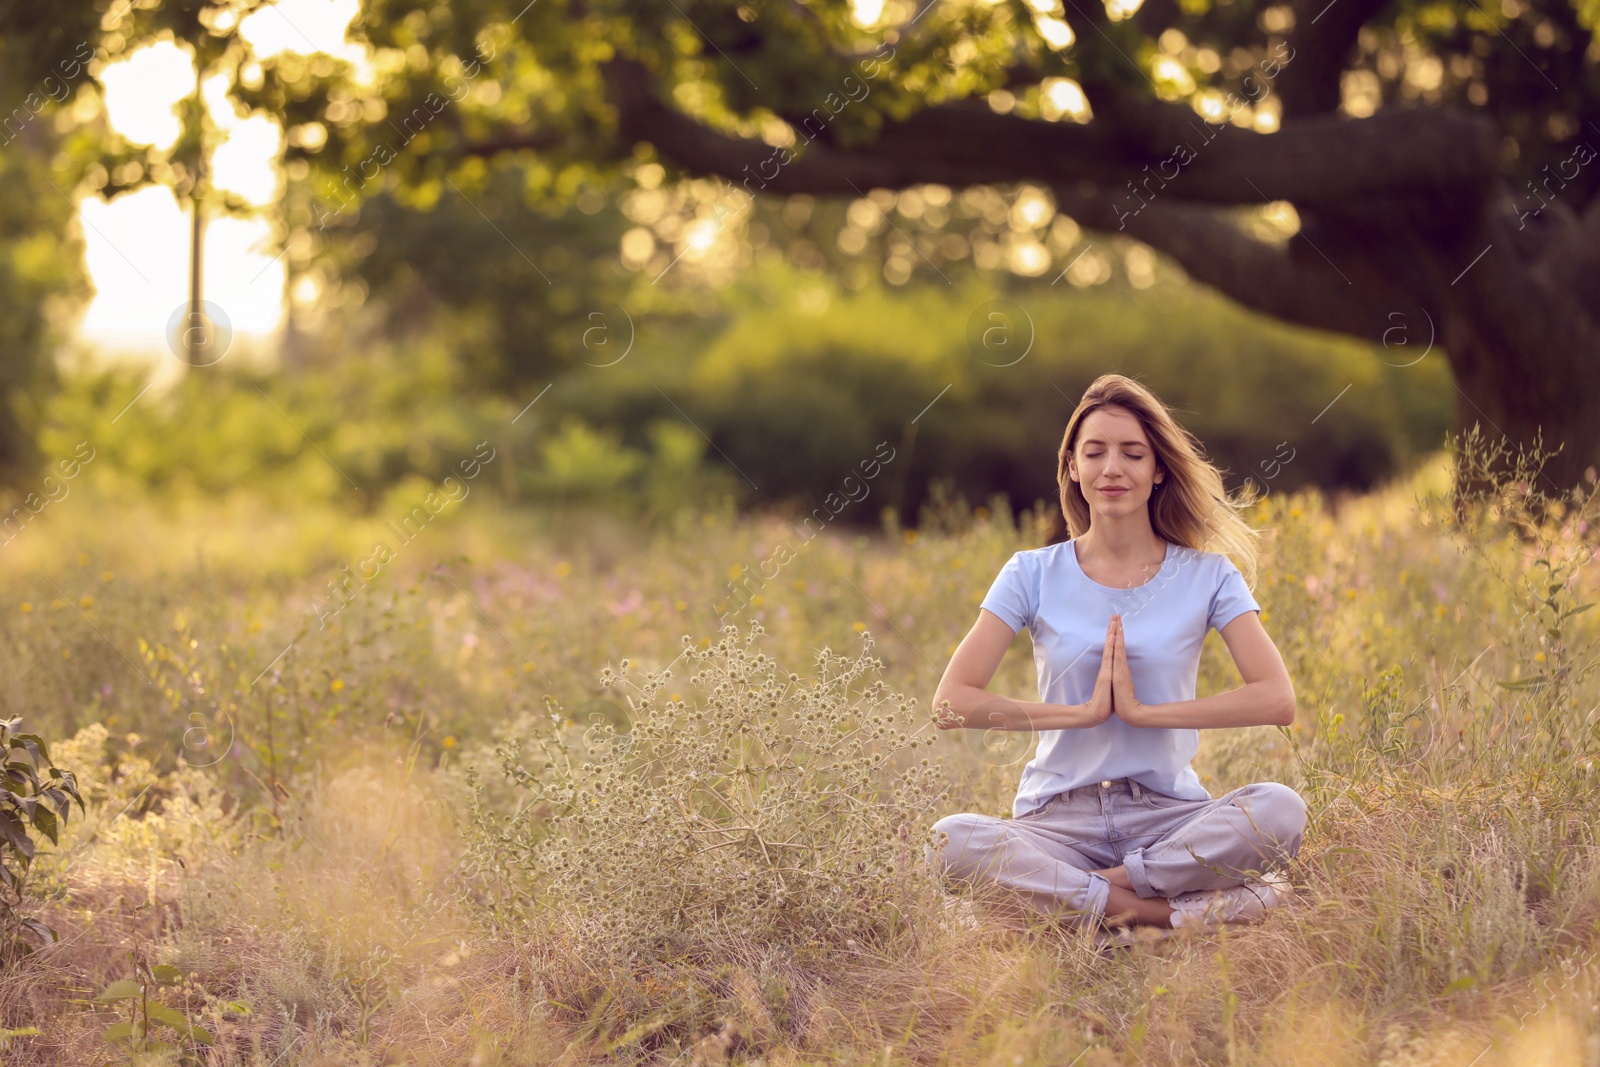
(1435, 160)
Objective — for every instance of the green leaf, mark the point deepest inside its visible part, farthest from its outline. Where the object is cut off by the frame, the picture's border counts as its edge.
(35, 746)
(44, 821)
(122, 1031)
(45, 933)
(174, 1019)
(12, 829)
(59, 798)
(1535, 682)
(121, 989)
(166, 974)
(1459, 984)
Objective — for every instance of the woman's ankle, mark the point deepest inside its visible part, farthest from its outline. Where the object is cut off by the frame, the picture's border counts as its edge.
(1125, 907)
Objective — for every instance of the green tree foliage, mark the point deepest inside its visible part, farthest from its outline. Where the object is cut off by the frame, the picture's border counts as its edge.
(44, 54)
(1437, 155)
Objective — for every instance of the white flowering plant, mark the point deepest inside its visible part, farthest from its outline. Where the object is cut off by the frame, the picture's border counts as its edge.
(776, 809)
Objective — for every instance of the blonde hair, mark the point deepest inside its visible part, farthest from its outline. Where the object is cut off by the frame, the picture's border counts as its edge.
(1191, 506)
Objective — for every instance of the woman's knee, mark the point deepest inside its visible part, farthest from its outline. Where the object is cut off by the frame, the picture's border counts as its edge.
(1280, 814)
(962, 842)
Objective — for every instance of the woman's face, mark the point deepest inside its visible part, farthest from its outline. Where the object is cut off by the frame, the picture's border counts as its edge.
(1113, 463)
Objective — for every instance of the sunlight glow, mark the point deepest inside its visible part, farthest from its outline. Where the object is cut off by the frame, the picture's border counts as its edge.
(303, 26)
(1063, 98)
(702, 235)
(136, 252)
(142, 91)
(866, 13)
(136, 248)
(1056, 33)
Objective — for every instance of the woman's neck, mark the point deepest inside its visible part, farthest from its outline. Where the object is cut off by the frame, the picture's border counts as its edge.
(1127, 539)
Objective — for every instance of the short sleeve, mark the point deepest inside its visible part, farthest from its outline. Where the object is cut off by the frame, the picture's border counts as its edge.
(1014, 596)
(1232, 597)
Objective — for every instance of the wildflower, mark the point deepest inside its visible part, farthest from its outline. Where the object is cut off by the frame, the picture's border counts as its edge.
(86, 602)
(337, 685)
(26, 607)
(449, 741)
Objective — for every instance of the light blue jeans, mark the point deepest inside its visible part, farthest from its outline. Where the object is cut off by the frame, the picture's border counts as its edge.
(1045, 859)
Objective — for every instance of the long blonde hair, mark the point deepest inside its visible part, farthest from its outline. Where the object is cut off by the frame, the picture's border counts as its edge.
(1191, 506)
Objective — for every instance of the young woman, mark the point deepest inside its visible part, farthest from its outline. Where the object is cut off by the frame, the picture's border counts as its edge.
(1111, 825)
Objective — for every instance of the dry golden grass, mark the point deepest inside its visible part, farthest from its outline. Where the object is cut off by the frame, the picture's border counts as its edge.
(1449, 885)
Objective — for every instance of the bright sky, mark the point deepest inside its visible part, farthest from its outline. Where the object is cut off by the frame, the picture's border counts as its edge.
(137, 247)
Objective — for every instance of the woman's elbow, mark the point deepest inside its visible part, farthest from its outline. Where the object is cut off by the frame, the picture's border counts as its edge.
(1286, 707)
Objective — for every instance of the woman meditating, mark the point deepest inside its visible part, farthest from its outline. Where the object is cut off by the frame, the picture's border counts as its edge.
(1111, 825)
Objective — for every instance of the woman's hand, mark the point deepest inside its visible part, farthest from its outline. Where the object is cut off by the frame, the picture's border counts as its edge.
(1100, 705)
(1127, 704)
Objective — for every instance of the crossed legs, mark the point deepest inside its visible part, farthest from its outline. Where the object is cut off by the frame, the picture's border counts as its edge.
(1126, 907)
(1061, 865)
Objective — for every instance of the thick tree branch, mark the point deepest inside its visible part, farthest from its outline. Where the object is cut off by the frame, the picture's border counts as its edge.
(1289, 283)
(959, 145)
(536, 141)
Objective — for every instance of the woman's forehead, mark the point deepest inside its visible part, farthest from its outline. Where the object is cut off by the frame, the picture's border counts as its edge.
(1117, 424)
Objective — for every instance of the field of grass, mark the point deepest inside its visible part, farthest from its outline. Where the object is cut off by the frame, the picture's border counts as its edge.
(514, 796)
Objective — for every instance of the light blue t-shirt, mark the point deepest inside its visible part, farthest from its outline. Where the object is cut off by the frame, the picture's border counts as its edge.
(1164, 626)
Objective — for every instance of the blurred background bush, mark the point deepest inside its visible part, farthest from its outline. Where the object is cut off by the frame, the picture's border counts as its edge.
(771, 400)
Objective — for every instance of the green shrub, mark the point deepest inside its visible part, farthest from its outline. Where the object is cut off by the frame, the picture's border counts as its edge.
(29, 805)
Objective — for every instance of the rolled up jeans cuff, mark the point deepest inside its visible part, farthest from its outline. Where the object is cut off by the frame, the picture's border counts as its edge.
(1099, 893)
(1133, 862)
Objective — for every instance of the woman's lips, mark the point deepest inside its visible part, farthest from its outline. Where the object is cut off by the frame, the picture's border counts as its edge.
(1116, 490)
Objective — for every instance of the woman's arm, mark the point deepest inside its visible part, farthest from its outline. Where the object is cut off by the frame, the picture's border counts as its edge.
(965, 686)
(1266, 698)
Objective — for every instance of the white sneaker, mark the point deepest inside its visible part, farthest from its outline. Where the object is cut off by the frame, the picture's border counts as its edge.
(1236, 904)
(959, 913)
